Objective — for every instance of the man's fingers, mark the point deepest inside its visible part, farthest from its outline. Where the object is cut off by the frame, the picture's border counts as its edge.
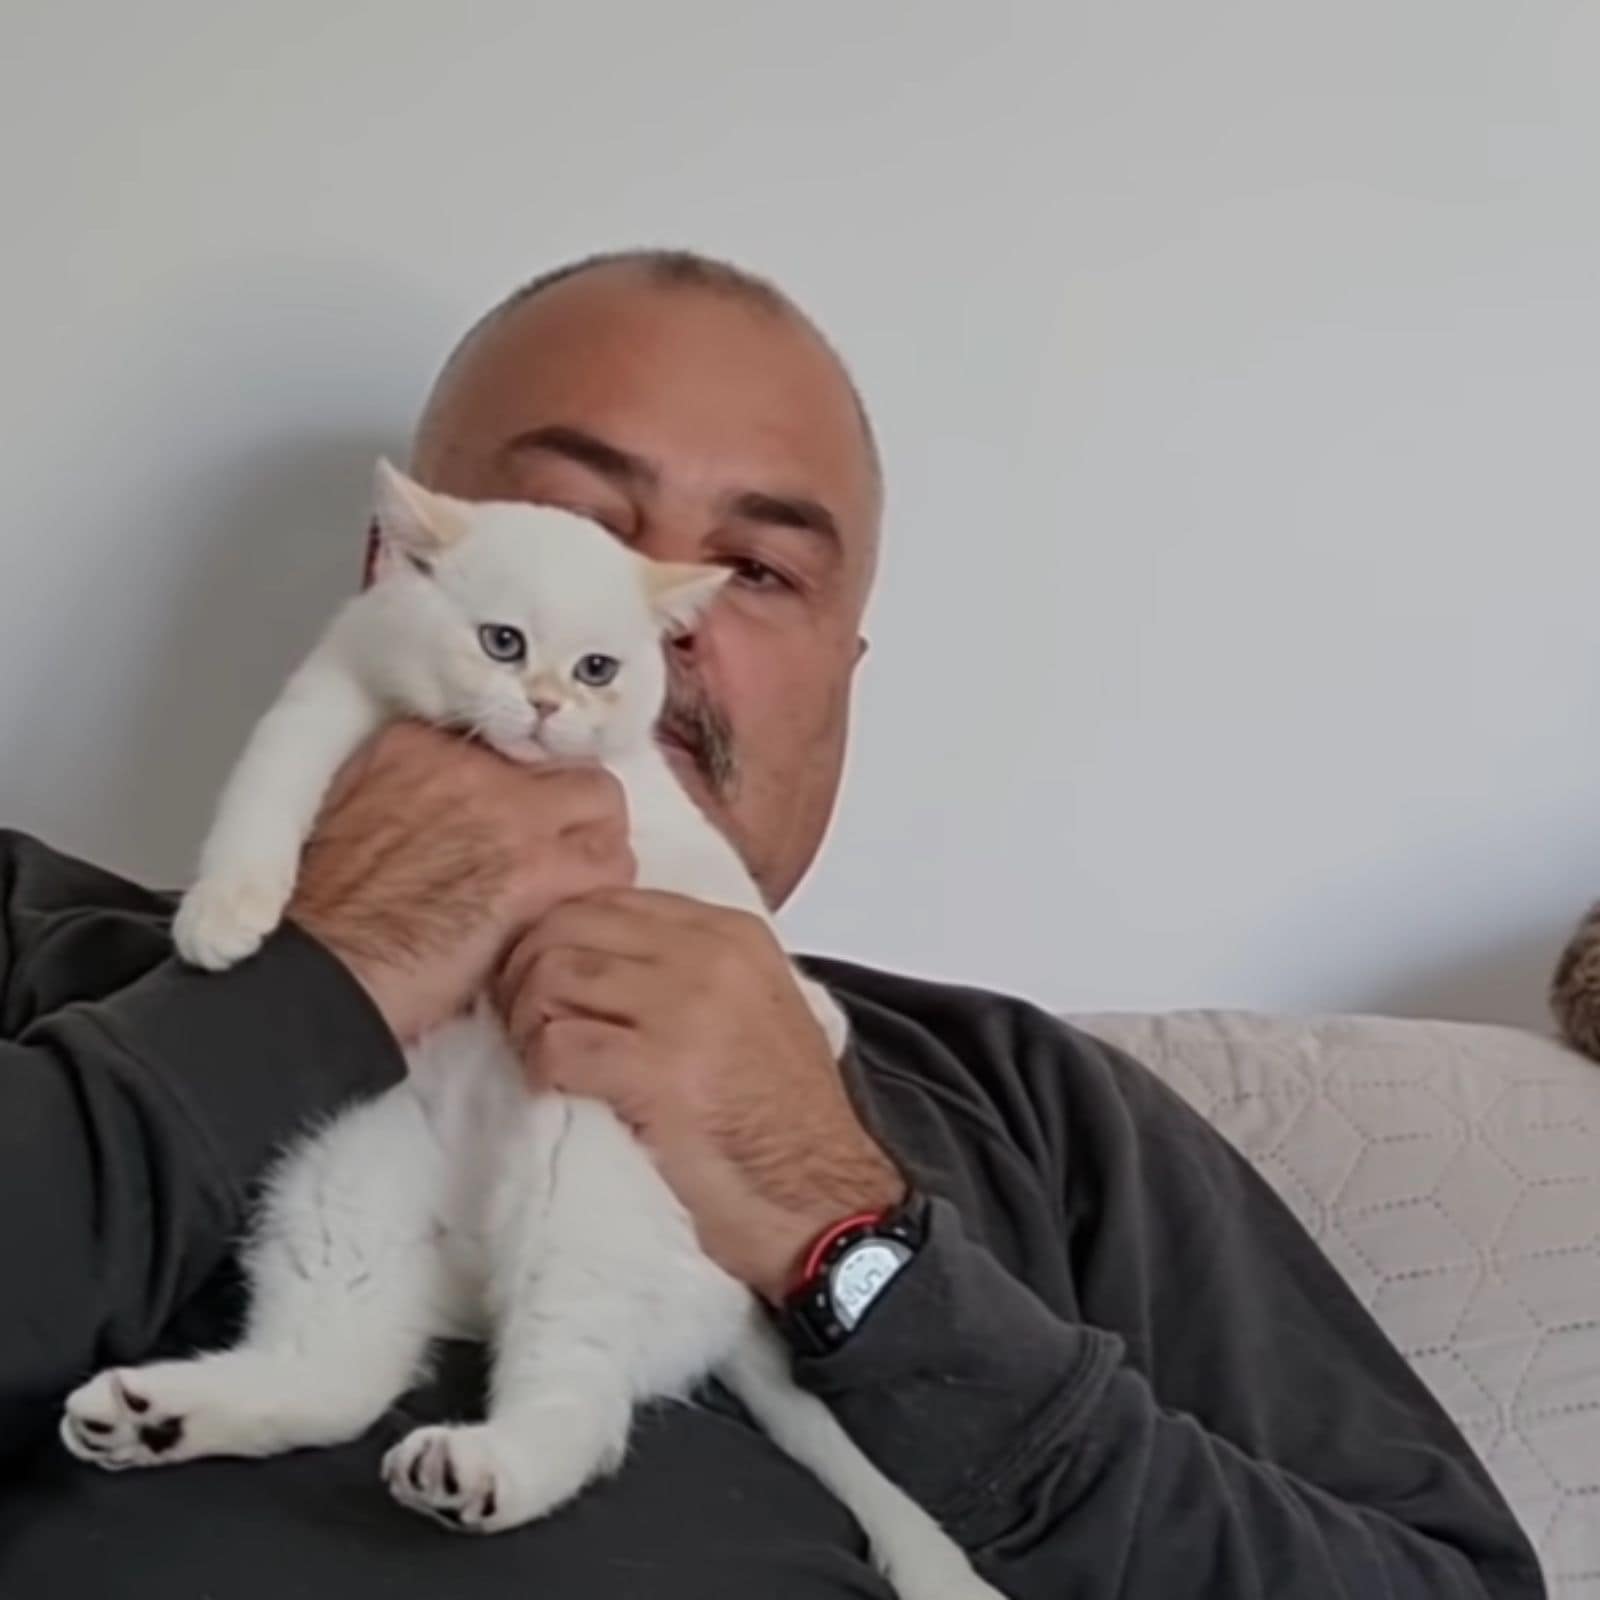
(512, 977)
(593, 922)
(637, 922)
(525, 1009)
(571, 980)
(594, 1059)
(675, 910)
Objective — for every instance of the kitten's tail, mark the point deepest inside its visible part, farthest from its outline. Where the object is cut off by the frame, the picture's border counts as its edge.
(912, 1551)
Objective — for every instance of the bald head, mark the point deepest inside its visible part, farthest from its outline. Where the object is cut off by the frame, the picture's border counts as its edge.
(661, 269)
(695, 412)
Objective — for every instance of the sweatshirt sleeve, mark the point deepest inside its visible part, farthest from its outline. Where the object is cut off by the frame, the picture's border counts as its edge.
(1217, 1418)
(138, 1101)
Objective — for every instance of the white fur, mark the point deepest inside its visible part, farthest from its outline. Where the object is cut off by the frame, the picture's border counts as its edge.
(459, 1203)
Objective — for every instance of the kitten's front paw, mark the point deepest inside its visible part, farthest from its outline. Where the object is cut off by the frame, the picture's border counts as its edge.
(457, 1477)
(223, 920)
(114, 1423)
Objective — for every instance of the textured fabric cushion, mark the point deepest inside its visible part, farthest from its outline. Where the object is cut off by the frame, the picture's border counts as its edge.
(1452, 1172)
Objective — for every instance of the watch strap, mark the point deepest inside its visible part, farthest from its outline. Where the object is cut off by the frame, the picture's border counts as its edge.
(809, 1316)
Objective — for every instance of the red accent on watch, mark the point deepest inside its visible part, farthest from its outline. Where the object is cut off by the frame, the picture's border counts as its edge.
(829, 1237)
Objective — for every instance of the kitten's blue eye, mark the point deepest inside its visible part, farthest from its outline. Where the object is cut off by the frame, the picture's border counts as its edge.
(501, 643)
(596, 671)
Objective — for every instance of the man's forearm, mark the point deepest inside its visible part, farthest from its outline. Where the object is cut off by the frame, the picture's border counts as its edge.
(1052, 1462)
(132, 1124)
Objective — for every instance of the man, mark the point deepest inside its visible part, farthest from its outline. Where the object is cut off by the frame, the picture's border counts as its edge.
(1087, 1338)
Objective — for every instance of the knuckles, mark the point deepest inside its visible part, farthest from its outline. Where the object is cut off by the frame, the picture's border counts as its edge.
(732, 946)
(566, 1048)
(556, 970)
(414, 752)
(595, 794)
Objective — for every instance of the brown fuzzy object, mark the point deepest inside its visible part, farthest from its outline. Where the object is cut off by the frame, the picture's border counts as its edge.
(1575, 988)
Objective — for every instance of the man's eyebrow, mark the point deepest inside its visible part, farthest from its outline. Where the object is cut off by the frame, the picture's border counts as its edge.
(588, 450)
(787, 511)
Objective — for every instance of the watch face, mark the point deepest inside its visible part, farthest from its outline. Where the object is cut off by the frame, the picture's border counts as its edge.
(860, 1275)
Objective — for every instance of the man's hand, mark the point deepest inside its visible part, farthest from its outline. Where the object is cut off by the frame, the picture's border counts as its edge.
(687, 1020)
(431, 854)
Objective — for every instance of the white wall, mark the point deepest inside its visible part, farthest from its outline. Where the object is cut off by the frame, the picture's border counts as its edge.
(1238, 367)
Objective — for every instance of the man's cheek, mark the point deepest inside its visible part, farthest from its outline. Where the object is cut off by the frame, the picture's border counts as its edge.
(755, 682)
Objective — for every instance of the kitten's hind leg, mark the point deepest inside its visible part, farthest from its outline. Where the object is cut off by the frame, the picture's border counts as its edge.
(603, 1299)
(346, 1285)
(912, 1551)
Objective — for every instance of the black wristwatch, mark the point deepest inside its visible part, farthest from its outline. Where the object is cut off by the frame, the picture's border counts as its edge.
(847, 1272)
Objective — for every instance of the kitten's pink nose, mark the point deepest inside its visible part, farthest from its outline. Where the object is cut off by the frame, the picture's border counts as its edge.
(545, 708)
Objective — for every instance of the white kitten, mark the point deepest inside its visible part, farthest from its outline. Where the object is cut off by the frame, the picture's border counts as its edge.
(440, 1208)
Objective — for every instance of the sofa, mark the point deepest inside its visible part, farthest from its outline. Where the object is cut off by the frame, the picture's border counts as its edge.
(1452, 1172)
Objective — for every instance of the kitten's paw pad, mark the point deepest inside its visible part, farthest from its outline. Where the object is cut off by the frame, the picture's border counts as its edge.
(455, 1476)
(113, 1422)
(223, 920)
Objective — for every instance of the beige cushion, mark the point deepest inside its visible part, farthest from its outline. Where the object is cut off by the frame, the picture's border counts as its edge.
(1452, 1172)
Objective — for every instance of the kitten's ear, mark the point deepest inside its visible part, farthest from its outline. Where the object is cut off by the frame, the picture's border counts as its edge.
(680, 591)
(416, 522)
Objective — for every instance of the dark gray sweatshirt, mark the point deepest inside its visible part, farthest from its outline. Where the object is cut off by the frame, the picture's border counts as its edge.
(1117, 1368)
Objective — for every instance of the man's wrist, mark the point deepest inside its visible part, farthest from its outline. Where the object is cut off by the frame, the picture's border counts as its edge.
(878, 1193)
(375, 980)
(850, 1267)
(958, 1321)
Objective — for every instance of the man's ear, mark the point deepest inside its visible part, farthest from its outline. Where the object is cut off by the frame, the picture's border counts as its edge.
(413, 521)
(680, 591)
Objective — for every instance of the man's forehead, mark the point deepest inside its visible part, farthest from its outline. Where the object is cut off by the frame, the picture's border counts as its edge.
(657, 369)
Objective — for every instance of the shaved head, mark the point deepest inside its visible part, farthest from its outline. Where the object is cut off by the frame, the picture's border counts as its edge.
(694, 411)
(668, 269)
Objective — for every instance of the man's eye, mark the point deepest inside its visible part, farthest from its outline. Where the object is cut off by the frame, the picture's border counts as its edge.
(755, 574)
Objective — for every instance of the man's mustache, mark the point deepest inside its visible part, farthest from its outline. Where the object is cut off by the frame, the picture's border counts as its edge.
(692, 722)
